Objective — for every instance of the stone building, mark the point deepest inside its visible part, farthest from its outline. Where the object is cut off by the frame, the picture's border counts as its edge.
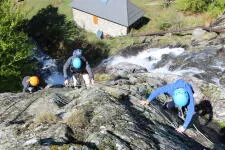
(112, 17)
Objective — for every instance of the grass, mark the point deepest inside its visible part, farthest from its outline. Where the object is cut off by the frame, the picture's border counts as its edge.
(33, 6)
(160, 19)
(78, 120)
(103, 77)
(159, 15)
(154, 10)
(45, 117)
(115, 44)
(222, 124)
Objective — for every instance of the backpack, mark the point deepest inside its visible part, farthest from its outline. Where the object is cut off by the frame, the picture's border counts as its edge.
(77, 65)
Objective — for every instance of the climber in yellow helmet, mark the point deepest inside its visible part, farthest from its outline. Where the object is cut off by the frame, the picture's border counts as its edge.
(31, 84)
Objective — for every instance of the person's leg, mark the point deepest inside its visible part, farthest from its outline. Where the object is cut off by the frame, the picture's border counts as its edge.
(86, 79)
(74, 81)
(169, 105)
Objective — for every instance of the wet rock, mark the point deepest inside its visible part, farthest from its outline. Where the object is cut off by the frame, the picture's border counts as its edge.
(125, 68)
(222, 79)
(219, 22)
(201, 37)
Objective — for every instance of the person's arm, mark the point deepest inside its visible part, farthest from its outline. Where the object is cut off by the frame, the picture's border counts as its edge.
(190, 109)
(25, 83)
(25, 88)
(65, 67)
(88, 68)
(158, 91)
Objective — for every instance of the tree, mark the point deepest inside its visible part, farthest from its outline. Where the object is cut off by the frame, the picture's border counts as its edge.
(14, 47)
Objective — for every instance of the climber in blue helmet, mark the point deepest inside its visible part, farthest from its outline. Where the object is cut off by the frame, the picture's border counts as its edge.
(182, 96)
(78, 65)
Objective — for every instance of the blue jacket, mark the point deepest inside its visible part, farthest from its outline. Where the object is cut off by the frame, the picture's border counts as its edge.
(169, 89)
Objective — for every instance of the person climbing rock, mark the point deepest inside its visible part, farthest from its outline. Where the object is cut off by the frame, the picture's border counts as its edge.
(78, 66)
(182, 97)
(32, 84)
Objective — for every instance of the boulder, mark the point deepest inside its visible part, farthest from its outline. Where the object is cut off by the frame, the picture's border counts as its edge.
(106, 116)
(124, 69)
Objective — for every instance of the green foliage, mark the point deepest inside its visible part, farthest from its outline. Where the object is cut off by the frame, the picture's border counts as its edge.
(215, 7)
(192, 5)
(164, 26)
(14, 47)
(222, 124)
(59, 36)
(53, 32)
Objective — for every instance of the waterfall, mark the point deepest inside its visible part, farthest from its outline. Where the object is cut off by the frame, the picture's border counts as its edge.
(186, 63)
(49, 68)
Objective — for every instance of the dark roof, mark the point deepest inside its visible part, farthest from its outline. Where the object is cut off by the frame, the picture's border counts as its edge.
(119, 11)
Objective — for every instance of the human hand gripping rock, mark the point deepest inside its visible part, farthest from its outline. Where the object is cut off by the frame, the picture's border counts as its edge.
(144, 102)
(92, 81)
(66, 82)
(180, 129)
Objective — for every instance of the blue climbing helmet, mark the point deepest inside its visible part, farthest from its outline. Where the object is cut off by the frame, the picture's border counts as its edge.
(77, 52)
(76, 62)
(180, 97)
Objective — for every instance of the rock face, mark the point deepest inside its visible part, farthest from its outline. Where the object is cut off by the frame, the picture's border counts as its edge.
(125, 68)
(106, 116)
(219, 23)
(201, 37)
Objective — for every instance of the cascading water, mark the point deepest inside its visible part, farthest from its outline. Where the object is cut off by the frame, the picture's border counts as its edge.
(147, 58)
(202, 64)
(49, 68)
(206, 65)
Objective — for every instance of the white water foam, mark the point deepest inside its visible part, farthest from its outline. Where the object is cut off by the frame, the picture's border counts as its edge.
(146, 58)
(49, 68)
(55, 78)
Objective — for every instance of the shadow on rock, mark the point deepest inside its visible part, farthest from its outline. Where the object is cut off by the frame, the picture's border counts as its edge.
(204, 108)
(72, 139)
(50, 141)
(222, 135)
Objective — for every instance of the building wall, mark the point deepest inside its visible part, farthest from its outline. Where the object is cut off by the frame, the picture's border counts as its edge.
(85, 20)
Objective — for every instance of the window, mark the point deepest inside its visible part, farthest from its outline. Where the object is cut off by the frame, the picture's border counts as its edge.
(95, 19)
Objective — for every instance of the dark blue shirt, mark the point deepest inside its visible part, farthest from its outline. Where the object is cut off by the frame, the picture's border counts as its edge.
(170, 88)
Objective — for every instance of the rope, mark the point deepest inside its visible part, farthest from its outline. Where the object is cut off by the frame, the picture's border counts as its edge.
(202, 134)
(159, 112)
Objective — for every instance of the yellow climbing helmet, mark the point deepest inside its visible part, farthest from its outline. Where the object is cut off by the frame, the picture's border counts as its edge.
(34, 80)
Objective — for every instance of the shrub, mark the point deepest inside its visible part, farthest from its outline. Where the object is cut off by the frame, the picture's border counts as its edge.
(103, 77)
(164, 26)
(45, 117)
(77, 120)
(15, 49)
(214, 7)
(192, 5)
